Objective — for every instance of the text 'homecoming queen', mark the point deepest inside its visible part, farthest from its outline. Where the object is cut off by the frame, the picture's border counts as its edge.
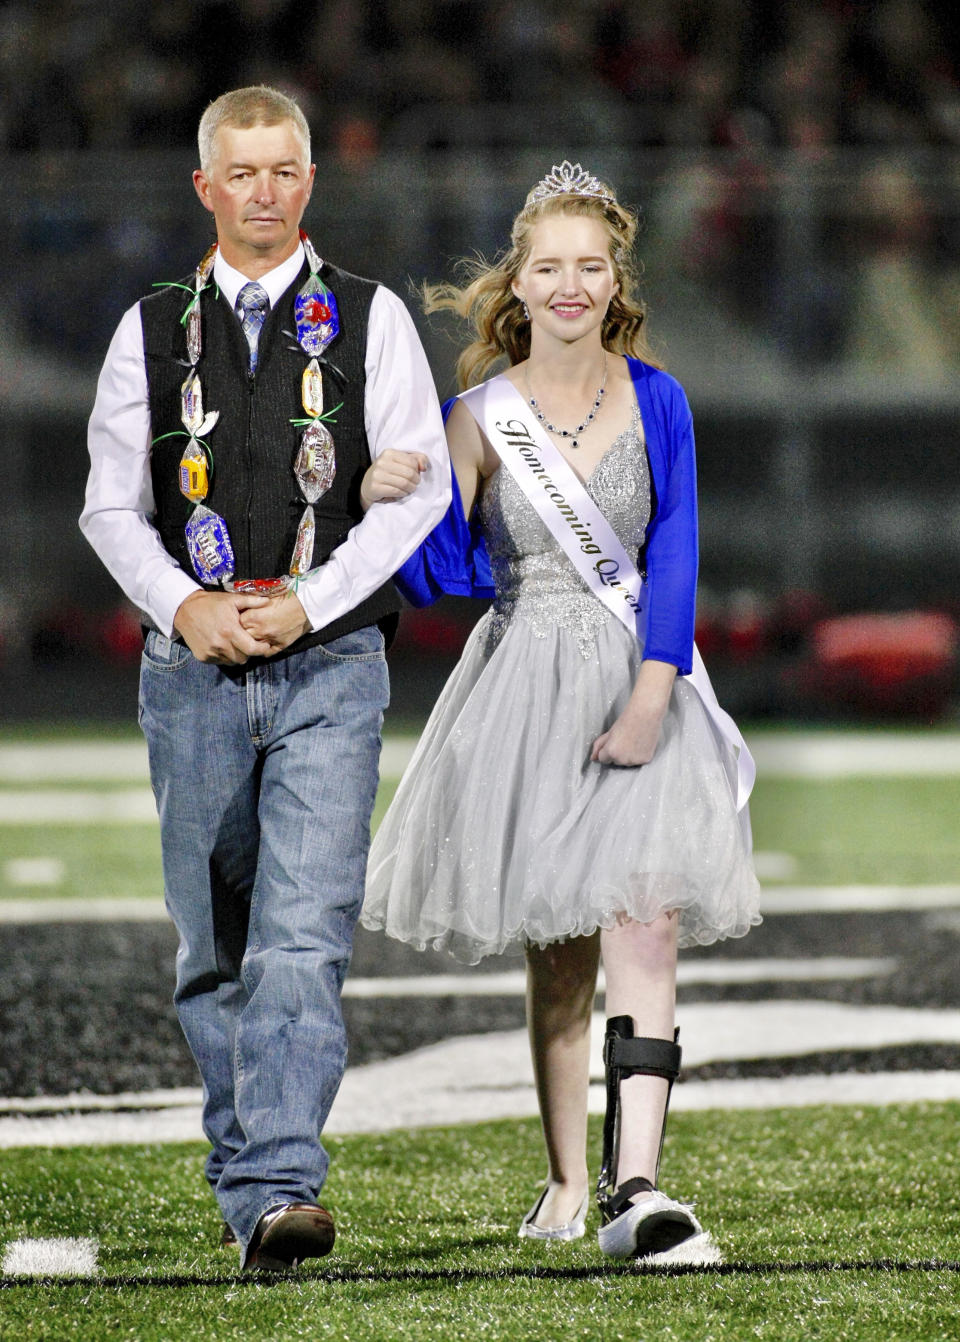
(516, 433)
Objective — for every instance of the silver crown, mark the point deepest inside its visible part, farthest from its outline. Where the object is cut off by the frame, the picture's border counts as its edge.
(569, 179)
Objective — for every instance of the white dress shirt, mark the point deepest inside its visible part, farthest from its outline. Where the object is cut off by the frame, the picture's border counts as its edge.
(400, 411)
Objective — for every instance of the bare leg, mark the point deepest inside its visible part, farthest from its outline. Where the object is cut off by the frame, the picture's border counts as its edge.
(561, 982)
(640, 963)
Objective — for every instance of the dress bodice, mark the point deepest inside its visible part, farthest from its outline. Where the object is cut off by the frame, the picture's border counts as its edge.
(533, 577)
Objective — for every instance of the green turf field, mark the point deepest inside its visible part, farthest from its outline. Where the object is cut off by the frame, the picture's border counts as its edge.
(844, 831)
(836, 1224)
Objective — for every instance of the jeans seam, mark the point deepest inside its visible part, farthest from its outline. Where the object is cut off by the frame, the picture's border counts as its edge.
(352, 656)
(165, 668)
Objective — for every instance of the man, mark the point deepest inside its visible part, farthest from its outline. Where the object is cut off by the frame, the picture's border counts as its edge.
(234, 420)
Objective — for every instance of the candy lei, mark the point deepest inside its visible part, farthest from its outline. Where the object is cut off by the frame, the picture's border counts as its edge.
(208, 541)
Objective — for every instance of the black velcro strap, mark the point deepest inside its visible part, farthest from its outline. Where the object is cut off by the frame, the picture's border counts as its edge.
(648, 1057)
(620, 1200)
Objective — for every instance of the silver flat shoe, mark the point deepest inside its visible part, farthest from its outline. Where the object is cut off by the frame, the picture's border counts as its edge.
(571, 1230)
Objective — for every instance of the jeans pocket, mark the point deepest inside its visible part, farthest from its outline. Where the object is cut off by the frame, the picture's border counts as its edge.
(362, 645)
(164, 654)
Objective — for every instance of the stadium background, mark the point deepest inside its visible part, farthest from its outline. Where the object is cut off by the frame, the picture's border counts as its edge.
(797, 170)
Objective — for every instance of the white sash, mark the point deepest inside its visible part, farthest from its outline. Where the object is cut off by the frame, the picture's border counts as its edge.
(587, 538)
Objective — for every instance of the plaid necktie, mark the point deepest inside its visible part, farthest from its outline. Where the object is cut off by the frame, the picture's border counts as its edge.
(252, 306)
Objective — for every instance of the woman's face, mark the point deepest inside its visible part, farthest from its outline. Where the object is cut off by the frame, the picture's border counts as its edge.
(568, 278)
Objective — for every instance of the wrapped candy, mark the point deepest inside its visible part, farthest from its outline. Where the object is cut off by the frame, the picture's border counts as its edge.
(311, 389)
(315, 466)
(194, 472)
(208, 542)
(303, 549)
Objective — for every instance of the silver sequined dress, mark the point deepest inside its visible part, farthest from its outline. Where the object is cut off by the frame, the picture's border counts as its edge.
(502, 829)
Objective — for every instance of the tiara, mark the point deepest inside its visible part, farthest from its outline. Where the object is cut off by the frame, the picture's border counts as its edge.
(569, 179)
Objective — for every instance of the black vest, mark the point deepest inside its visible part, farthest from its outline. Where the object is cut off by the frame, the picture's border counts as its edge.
(254, 443)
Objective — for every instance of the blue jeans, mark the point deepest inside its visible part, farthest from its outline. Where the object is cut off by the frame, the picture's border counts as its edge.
(265, 780)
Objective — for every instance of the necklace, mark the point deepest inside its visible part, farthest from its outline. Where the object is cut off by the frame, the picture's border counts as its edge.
(572, 434)
(208, 541)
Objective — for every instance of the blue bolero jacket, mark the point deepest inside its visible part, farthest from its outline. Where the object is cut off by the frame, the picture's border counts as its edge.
(453, 559)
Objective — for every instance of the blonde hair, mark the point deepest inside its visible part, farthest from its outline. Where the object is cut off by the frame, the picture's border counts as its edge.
(487, 301)
(255, 105)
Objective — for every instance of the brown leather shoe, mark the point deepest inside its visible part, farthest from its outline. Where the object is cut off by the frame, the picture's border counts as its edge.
(287, 1234)
(228, 1236)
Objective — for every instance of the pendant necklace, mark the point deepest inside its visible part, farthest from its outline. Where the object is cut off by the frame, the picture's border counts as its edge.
(572, 434)
(208, 541)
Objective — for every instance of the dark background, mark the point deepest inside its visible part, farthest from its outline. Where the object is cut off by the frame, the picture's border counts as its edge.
(797, 170)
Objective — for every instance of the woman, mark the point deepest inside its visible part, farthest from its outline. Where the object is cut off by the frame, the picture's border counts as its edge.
(569, 792)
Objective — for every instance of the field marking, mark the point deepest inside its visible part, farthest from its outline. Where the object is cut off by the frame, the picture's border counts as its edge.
(173, 1097)
(772, 866)
(182, 1123)
(802, 755)
(787, 754)
(126, 761)
(75, 762)
(80, 910)
(855, 754)
(786, 899)
(34, 871)
(477, 1077)
(512, 982)
(492, 1071)
(69, 806)
(775, 900)
(50, 1258)
(464, 1078)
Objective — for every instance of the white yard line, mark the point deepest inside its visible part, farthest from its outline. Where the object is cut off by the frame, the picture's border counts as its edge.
(50, 1258)
(176, 1097)
(773, 866)
(809, 755)
(65, 910)
(786, 899)
(827, 754)
(512, 983)
(69, 806)
(34, 872)
(857, 898)
(478, 1077)
(182, 1124)
(855, 754)
(74, 762)
(489, 1075)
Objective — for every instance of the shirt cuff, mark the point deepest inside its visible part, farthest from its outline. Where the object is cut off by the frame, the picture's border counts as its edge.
(167, 595)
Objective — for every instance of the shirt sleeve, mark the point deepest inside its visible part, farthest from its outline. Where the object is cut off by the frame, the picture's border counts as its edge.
(672, 549)
(401, 411)
(119, 503)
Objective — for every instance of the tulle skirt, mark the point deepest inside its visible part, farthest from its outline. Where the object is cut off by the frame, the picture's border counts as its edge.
(503, 832)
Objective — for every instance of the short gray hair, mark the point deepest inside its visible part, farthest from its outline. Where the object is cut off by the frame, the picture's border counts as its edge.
(256, 105)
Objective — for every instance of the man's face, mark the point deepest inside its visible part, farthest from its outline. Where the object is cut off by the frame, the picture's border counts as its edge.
(257, 188)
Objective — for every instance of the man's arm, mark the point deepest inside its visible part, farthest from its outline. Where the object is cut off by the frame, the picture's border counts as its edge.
(119, 505)
(401, 412)
(119, 499)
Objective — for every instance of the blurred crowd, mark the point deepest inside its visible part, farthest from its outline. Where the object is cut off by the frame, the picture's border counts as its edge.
(78, 74)
(861, 264)
(795, 162)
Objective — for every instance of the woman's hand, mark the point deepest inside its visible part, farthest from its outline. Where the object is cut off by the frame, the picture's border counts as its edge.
(392, 476)
(632, 740)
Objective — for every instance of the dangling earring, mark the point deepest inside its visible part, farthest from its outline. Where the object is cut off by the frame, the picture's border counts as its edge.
(526, 310)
